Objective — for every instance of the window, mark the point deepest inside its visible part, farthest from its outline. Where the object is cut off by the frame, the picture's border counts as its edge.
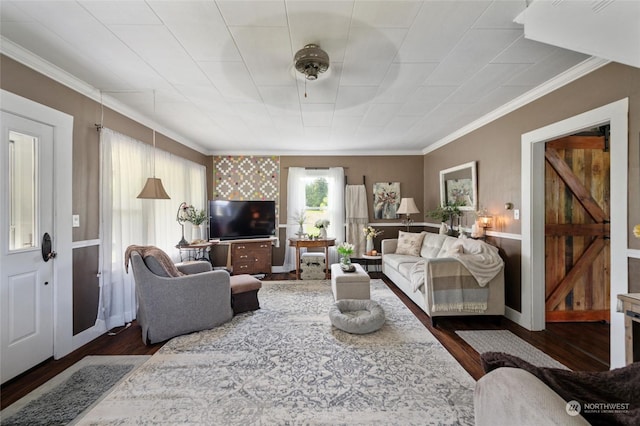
(316, 202)
(126, 220)
(320, 195)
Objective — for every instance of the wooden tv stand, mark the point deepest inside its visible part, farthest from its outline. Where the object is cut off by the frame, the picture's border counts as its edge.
(249, 256)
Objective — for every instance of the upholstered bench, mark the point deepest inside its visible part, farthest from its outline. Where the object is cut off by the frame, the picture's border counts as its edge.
(244, 293)
(312, 266)
(350, 285)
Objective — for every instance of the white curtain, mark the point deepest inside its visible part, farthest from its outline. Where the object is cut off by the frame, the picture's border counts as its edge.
(357, 212)
(336, 209)
(125, 164)
(296, 201)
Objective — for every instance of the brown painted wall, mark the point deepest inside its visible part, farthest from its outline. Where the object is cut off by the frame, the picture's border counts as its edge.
(404, 169)
(496, 148)
(25, 82)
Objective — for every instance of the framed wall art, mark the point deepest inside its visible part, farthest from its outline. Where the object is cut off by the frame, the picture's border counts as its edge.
(386, 200)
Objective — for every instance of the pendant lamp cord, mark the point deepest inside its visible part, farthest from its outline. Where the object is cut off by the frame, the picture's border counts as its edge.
(154, 135)
(100, 125)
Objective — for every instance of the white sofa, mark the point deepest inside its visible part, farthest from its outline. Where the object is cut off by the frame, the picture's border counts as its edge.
(442, 270)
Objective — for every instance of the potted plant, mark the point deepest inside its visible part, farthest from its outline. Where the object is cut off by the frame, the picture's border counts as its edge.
(198, 219)
(345, 250)
(447, 212)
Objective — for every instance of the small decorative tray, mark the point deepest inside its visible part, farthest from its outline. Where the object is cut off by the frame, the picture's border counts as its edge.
(350, 268)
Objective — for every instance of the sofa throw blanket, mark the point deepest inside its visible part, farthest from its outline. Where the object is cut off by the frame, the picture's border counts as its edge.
(591, 389)
(161, 257)
(451, 289)
(481, 259)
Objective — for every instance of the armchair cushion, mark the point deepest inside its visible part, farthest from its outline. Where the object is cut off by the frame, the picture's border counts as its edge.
(194, 267)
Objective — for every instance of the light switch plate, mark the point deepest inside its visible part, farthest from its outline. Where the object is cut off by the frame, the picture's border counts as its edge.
(76, 221)
(516, 214)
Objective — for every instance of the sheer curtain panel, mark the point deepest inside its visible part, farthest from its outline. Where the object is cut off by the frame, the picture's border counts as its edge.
(296, 202)
(125, 164)
(336, 209)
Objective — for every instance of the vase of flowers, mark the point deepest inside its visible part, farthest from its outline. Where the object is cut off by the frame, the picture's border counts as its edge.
(300, 218)
(322, 225)
(345, 250)
(370, 233)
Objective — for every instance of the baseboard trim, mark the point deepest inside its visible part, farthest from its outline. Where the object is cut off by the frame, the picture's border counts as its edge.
(89, 334)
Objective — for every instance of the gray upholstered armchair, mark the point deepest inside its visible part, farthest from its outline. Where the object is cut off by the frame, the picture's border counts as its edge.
(171, 306)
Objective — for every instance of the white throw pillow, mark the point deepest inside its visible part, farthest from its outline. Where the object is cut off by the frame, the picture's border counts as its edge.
(455, 250)
(409, 243)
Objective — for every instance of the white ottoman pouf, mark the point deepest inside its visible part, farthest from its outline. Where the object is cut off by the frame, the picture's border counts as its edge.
(312, 266)
(357, 316)
(350, 285)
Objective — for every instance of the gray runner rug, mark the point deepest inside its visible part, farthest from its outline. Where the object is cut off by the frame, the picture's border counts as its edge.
(507, 342)
(64, 398)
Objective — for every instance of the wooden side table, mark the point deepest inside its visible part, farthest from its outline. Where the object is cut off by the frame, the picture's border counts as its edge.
(195, 251)
(325, 243)
(368, 260)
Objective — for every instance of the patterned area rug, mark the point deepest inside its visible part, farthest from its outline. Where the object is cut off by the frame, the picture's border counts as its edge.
(507, 342)
(286, 364)
(64, 398)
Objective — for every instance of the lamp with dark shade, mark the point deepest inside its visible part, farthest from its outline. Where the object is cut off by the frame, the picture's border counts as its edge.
(407, 208)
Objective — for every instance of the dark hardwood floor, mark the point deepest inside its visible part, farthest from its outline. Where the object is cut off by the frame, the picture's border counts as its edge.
(579, 346)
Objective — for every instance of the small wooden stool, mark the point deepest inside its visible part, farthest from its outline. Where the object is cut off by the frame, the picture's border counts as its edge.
(244, 293)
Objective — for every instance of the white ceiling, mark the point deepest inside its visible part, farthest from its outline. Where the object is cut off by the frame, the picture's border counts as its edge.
(403, 76)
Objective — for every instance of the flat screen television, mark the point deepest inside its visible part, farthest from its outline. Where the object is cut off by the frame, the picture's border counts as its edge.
(234, 219)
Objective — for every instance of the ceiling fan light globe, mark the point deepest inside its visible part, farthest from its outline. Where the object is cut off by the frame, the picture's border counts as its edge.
(310, 61)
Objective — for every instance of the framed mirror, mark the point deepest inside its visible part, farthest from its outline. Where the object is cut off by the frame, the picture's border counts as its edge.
(459, 184)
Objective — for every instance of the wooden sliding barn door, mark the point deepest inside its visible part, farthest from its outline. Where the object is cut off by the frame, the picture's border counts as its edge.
(577, 229)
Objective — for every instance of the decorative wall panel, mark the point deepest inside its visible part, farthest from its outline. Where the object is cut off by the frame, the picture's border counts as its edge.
(247, 177)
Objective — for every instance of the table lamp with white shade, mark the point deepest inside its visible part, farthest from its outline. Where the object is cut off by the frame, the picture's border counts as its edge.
(407, 208)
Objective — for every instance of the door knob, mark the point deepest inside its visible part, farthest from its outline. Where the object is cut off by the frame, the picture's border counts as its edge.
(47, 253)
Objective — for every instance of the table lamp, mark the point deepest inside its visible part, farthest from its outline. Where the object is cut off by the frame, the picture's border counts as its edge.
(485, 221)
(407, 208)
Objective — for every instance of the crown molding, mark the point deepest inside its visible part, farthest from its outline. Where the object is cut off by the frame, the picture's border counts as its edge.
(285, 153)
(585, 67)
(46, 68)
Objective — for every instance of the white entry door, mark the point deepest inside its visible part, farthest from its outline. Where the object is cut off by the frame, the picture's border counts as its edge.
(27, 285)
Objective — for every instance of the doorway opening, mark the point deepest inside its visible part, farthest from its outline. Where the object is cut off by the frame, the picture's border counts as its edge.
(533, 312)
